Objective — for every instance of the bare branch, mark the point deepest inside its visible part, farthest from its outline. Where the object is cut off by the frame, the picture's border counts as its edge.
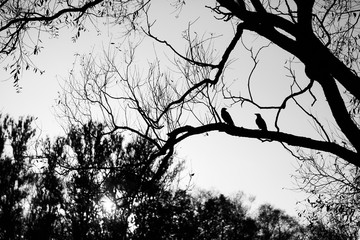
(187, 131)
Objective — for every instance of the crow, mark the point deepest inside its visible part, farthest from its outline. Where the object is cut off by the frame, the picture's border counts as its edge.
(260, 122)
(226, 117)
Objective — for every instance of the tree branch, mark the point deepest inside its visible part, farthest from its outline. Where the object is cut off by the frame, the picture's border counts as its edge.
(184, 132)
(339, 111)
(50, 18)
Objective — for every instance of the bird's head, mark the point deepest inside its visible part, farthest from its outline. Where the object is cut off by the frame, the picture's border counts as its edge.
(223, 109)
(257, 114)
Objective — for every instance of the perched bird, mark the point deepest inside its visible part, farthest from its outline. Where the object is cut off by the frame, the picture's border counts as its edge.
(226, 117)
(260, 122)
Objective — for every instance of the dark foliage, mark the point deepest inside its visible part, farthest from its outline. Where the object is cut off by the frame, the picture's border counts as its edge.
(59, 194)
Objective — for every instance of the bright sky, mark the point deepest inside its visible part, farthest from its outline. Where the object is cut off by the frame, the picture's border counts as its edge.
(220, 162)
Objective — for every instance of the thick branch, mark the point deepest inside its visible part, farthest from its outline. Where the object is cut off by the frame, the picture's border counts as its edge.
(303, 45)
(266, 27)
(339, 111)
(305, 14)
(317, 56)
(258, 6)
(261, 17)
(181, 133)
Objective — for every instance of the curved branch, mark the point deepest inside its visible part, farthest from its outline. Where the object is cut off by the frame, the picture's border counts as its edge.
(50, 18)
(184, 132)
(291, 96)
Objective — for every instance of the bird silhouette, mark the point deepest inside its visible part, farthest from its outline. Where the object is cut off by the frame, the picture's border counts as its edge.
(226, 117)
(260, 122)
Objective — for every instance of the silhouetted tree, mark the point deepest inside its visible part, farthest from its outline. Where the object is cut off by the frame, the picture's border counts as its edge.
(332, 217)
(166, 216)
(319, 231)
(86, 155)
(58, 194)
(181, 216)
(44, 218)
(95, 165)
(15, 175)
(221, 218)
(333, 188)
(276, 224)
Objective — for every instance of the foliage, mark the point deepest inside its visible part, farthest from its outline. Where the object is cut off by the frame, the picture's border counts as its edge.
(223, 218)
(44, 218)
(166, 216)
(14, 174)
(275, 224)
(318, 230)
(59, 194)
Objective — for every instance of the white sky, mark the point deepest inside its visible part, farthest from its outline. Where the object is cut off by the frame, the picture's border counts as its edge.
(220, 162)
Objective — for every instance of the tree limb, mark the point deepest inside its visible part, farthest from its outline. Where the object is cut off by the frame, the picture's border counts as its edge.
(184, 132)
(50, 18)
